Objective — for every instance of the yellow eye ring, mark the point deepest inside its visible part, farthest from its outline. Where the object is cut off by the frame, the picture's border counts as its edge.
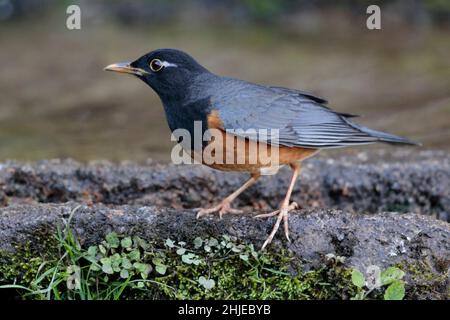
(156, 65)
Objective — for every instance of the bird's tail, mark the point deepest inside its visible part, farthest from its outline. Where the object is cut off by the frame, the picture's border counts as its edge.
(384, 136)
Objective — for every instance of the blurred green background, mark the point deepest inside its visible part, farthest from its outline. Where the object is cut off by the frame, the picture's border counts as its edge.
(56, 101)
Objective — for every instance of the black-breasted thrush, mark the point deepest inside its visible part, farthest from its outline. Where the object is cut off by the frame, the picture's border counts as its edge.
(190, 93)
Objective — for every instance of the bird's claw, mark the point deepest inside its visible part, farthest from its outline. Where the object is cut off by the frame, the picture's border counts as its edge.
(292, 206)
(283, 214)
(223, 208)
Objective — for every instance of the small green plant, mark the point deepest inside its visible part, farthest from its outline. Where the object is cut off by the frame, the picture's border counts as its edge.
(391, 279)
(129, 267)
(104, 271)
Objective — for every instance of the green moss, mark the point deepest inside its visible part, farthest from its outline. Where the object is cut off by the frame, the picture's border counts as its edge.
(131, 268)
(57, 266)
(19, 266)
(268, 276)
(121, 267)
(24, 263)
(426, 282)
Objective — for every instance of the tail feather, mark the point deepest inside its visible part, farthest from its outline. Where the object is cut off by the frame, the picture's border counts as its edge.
(384, 136)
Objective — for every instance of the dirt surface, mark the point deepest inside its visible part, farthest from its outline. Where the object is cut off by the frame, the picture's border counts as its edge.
(400, 181)
(364, 240)
(344, 207)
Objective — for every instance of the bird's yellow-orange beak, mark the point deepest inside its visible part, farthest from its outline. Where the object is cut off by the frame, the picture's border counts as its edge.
(125, 67)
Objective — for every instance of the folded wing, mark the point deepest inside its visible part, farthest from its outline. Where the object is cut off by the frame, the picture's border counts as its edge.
(301, 118)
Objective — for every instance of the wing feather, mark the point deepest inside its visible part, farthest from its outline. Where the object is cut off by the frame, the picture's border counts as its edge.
(301, 118)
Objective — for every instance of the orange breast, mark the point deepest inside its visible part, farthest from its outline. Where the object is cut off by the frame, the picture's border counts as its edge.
(234, 153)
(250, 156)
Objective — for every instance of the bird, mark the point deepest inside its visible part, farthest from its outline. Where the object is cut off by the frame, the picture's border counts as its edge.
(304, 122)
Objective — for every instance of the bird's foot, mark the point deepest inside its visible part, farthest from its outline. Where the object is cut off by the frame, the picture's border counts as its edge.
(283, 214)
(223, 208)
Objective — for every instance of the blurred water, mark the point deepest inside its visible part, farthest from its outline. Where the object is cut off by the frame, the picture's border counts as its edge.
(57, 102)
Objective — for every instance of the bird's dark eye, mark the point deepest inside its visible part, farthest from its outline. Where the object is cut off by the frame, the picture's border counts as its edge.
(156, 65)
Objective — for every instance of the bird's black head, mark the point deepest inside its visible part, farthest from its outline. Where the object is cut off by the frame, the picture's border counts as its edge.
(168, 71)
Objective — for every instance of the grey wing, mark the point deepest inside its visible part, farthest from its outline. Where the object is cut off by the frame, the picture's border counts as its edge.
(300, 93)
(300, 120)
(319, 100)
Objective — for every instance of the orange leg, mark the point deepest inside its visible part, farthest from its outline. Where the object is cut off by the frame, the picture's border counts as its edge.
(284, 209)
(224, 206)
